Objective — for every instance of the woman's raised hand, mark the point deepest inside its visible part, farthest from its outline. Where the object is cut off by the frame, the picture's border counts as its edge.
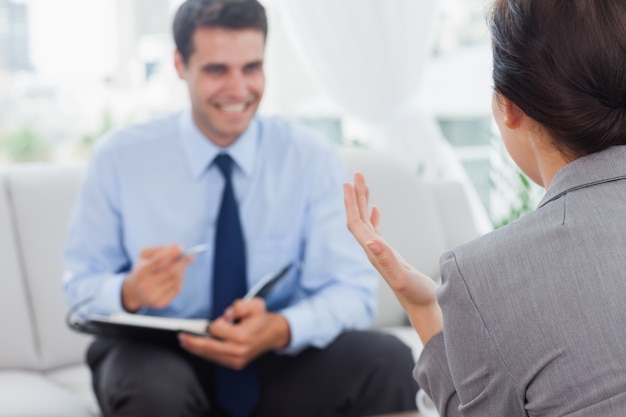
(415, 291)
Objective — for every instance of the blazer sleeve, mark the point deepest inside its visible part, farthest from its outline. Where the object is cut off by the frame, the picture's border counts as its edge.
(462, 369)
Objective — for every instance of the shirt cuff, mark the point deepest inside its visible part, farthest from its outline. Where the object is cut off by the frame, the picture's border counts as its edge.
(299, 317)
(108, 299)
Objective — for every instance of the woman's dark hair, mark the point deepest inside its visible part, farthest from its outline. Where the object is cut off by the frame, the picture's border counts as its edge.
(563, 63)
(227, 14)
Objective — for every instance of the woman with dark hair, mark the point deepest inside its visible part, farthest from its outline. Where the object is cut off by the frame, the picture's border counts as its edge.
(529, 319)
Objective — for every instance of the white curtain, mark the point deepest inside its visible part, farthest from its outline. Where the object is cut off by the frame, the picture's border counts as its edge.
(370, 56)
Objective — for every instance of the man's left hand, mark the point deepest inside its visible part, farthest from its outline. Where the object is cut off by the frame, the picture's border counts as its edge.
(244, 332)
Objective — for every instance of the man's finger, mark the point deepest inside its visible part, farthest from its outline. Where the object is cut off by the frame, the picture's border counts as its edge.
(244, 308)
(166, 292)
(200, 346)
(163, 259)
(225, 329)
(210, 348)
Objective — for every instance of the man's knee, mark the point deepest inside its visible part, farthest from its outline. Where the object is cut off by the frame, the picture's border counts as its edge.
(384, 379)
(134, 379)
(373, 344)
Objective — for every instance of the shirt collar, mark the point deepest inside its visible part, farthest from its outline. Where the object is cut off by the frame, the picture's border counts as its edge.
(200, 151)
(596, 168)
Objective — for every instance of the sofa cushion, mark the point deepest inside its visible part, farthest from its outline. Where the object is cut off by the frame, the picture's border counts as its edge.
(18, 344)
(28, 394)
(77, 379)
(42, 196)
(409, 336)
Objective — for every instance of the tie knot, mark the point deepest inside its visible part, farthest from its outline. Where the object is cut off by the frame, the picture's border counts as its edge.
(225, 163)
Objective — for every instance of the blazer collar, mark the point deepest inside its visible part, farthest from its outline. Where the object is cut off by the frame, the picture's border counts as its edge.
(600, 167)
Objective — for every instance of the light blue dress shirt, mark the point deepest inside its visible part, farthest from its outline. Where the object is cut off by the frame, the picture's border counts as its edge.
(155, 183)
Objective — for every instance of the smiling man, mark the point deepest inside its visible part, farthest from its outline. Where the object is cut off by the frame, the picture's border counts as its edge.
(260, 193)
(224, 74)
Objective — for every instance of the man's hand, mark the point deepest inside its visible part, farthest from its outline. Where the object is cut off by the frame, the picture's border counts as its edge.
(156, 279)
(244, 332)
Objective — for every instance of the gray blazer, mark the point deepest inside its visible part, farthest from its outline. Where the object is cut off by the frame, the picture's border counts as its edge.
(535, 312)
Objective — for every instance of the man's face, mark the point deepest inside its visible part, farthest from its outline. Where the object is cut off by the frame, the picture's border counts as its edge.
(225, 79)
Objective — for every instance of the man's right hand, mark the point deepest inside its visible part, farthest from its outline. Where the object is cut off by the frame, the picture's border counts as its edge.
(156, 278)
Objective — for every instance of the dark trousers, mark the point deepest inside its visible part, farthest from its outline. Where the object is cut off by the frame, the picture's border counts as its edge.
(361, 373)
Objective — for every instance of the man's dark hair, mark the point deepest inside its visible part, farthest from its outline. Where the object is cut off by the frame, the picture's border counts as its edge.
(563, 63)
(227, 14)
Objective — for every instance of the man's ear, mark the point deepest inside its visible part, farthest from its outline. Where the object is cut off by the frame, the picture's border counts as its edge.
(179, 63)
(513, 115)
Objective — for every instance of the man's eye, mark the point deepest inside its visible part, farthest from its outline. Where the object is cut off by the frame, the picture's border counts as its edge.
(252, 67)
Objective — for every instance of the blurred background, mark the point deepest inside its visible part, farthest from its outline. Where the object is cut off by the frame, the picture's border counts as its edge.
(408, 77)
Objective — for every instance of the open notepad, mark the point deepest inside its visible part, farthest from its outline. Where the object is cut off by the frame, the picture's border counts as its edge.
(198, 326)
(160, 329)
(142, 327)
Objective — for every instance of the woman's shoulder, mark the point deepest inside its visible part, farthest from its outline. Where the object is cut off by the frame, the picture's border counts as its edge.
(507, 251)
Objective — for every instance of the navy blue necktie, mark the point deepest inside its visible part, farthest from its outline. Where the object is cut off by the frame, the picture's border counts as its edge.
(237, 391)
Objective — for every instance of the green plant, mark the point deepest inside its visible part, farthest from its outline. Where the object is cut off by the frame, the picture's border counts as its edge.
(522, 205)
(24, 145)
(89, 139)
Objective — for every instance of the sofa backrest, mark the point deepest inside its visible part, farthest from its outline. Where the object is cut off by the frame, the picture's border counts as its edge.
(40, 198)
(420, 219)
(17, 349)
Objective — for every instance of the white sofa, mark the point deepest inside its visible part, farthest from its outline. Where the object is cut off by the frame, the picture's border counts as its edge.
(42, 371)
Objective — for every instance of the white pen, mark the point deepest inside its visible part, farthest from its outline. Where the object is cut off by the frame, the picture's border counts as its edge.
(194, 250)
(262, 287)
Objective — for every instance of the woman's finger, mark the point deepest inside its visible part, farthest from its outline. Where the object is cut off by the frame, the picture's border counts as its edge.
(375, 219)
(361, 231)
(352, 208)
(361, 197)
(386, 261)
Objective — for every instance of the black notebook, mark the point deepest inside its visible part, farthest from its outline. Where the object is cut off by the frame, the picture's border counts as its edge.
(140, 327)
